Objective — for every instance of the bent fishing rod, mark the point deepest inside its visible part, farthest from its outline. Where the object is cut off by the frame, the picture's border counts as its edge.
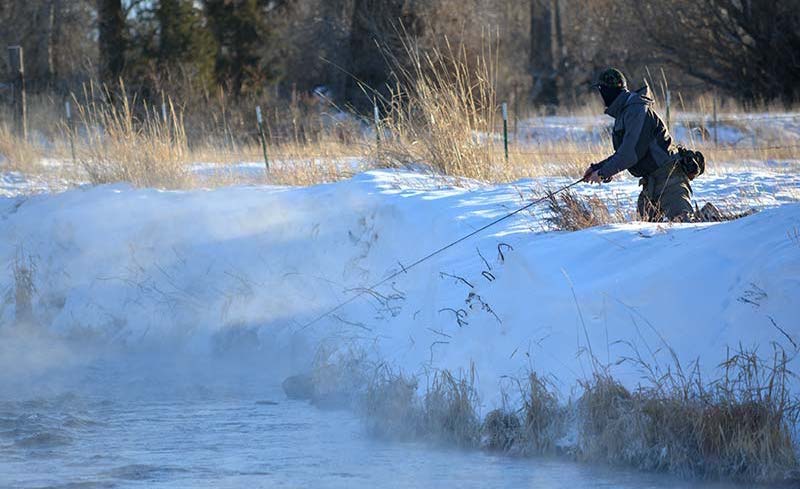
(405, 269)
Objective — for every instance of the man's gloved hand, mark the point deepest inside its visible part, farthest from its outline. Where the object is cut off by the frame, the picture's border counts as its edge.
(592, 174)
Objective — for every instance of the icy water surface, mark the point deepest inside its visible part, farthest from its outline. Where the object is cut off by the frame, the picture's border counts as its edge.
(104, 428)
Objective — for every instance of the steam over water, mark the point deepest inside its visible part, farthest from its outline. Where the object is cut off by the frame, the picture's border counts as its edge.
(182, 423)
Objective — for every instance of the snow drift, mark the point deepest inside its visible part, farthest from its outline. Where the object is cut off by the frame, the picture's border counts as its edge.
(245, 268)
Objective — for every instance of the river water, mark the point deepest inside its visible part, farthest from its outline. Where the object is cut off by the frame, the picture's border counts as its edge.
(170, 427)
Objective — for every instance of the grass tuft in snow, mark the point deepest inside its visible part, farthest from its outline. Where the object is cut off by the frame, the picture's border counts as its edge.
(740, 427)
(446, 413)
(24, 269)
(534, 428)
(543, 417)
(391, 406)
(339, 374)
(16, 153)
(450, 408)
(737, 427)
(442, 105)
(501, 431)
(444, 114)
(569, 211)
(118, 146)
(609, 426)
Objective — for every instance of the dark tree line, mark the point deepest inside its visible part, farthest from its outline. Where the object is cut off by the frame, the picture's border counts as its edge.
(548, 49)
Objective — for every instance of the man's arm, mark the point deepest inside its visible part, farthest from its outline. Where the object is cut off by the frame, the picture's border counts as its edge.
(632, 148)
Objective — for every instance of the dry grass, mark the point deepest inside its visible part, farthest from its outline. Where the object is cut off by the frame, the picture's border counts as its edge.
(443, 116)
(296, 164)
(738, 427)
(118, 146)
(543, 417)
(446, 413)
(339, 374)
(501, 432)
(391, 406)
(741, 426)
(569, 211)
(450, 409)
(443, 113)
(17, 154)
(24, 269)
(534, 428)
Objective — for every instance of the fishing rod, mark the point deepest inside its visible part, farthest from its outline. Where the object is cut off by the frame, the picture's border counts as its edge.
(405, 269)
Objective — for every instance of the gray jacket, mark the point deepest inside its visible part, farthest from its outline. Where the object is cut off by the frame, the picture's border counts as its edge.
(641, 140)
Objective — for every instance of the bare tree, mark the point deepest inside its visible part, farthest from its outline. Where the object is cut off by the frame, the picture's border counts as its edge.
(55, 36)
(749, 49)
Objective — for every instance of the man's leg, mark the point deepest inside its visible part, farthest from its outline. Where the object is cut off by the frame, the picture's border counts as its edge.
(648, 210)
(672, 194)
(676, 199)
(647, 205)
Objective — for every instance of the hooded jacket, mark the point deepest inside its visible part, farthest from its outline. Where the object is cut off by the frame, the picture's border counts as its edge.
(641, 140)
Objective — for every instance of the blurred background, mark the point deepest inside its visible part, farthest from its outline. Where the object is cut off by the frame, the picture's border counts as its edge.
(156, 85)
(546, 50)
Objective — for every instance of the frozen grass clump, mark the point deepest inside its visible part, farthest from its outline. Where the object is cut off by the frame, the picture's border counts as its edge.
(543, 417)
(534, 428)
(338, 375)
(450, 409)
(24, 269)
(610, 428)
(738, 427)
(447, 412)
(501, 432)
(742, 426)
(391, 406)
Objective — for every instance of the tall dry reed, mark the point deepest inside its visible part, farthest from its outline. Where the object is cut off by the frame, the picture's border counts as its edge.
(116, 145)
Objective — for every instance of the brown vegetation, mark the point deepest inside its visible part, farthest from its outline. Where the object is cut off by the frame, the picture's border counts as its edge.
(740, 426)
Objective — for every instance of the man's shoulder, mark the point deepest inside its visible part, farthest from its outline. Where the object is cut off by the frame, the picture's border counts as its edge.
(635, 107)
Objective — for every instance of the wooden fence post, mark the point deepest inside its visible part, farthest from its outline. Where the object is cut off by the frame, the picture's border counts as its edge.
(505, 129)
(260, 121)
(669, 103)
(377, 116)
(716, 140)
(70, 129)
(17, 64)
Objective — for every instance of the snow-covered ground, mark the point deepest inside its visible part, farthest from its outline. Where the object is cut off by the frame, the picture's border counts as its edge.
(733, 130)
(248, 267)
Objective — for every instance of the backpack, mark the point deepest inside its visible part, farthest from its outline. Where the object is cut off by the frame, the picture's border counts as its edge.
(692, 162)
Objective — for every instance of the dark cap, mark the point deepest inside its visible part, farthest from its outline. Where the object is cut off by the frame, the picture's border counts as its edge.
(611, 78)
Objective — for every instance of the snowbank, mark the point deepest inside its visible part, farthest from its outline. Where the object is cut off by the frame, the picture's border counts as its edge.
(248, 267)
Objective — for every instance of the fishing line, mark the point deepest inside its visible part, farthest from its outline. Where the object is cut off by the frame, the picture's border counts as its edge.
(405, 269)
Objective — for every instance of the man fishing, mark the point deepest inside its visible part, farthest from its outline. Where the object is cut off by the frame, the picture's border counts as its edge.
(643, 146)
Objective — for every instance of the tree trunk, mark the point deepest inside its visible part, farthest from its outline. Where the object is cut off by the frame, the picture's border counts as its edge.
(544, 48)
(335, 26)
(52, 11)
(111, 40)
(375, 23)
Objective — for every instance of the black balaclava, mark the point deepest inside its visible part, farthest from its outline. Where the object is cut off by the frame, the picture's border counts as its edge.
(609, 94)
